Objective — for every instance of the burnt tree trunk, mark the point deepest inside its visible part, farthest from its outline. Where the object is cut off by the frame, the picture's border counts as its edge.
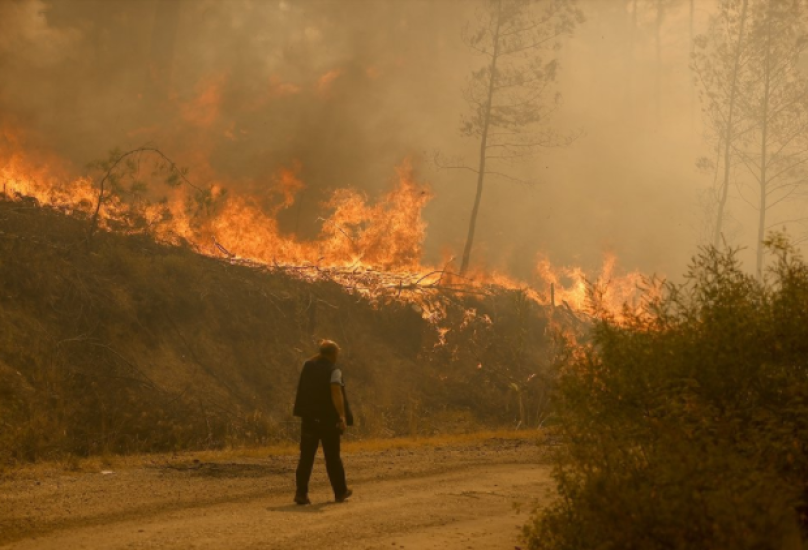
(163, 44)
(483, 149)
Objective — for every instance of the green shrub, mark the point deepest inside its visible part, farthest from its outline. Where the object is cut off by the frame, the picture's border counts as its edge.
(685, 424)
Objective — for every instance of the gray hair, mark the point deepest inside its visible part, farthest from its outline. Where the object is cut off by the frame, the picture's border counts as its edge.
(328, 348)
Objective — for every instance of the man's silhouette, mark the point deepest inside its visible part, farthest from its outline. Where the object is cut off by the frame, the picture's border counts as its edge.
(323, 407)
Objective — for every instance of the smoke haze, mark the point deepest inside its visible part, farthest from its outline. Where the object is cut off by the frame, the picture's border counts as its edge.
(346, 91)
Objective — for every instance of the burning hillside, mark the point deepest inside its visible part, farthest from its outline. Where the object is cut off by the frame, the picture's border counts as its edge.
(371, 248)
(130, 345)
(161, 297)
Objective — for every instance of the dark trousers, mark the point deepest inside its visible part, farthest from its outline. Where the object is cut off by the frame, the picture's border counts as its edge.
(311, 433)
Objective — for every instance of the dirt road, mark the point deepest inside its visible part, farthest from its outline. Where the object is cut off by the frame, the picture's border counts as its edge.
(461, 496)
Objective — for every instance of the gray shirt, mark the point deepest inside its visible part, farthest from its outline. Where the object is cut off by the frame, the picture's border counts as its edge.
(336, 377)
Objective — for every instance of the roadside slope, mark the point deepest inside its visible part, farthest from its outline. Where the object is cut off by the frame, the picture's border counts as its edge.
(127, 346)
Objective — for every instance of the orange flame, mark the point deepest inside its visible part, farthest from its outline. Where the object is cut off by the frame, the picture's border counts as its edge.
(288, 184)
(278, 88)
(46, 181)
(203, 109)
(325, 82)
(371, 248)
(574, 287)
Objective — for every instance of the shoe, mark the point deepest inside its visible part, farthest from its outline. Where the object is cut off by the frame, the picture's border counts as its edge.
(344, 496)
(302, 500)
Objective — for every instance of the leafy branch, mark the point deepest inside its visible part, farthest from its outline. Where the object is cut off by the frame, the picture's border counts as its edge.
(130, 161)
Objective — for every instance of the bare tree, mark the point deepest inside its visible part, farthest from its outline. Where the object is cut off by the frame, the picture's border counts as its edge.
(163, 47)
(690, 39)
(658, 12)
(632, 48)
(756, 102)
(511, 96)
(774, 99)
(661, 8)
(716, 63)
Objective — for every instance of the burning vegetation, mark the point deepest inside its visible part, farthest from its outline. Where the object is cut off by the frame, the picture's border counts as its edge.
(131, 346)
(137, 232)
(283, 177)
(140, 258)
(373, 249)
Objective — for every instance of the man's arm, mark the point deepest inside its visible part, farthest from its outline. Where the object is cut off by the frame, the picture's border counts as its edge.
(339, 403)
(298, 408)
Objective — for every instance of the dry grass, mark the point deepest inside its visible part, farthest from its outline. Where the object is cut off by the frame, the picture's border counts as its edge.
(130, 347)
(118, 463)
(374, 445)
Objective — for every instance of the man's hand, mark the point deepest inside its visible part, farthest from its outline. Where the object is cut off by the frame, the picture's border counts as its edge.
(341, 425)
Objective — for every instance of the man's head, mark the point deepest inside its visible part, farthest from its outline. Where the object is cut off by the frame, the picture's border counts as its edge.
(330, 350)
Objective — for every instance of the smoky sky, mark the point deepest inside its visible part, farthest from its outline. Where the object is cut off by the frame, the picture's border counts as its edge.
(236, 89)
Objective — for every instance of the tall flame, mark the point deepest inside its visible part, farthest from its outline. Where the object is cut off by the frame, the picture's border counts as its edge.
(374, 248)
(572, 286)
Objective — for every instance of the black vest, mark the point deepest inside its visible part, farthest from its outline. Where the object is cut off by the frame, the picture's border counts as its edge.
(314, 393)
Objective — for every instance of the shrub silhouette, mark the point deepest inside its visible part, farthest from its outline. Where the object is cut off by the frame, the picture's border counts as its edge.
(686, 425)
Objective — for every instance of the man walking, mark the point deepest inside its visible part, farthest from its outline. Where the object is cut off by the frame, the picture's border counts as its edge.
(323, 407)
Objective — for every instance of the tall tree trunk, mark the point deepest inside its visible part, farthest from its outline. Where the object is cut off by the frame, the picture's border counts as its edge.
(658, 73)
(163, 45)
(692, 88)
(764, 134)
(483, 148)
(631, 46)
(719, 220)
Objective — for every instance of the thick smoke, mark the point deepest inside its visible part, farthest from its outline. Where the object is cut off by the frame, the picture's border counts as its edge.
(347, 90)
